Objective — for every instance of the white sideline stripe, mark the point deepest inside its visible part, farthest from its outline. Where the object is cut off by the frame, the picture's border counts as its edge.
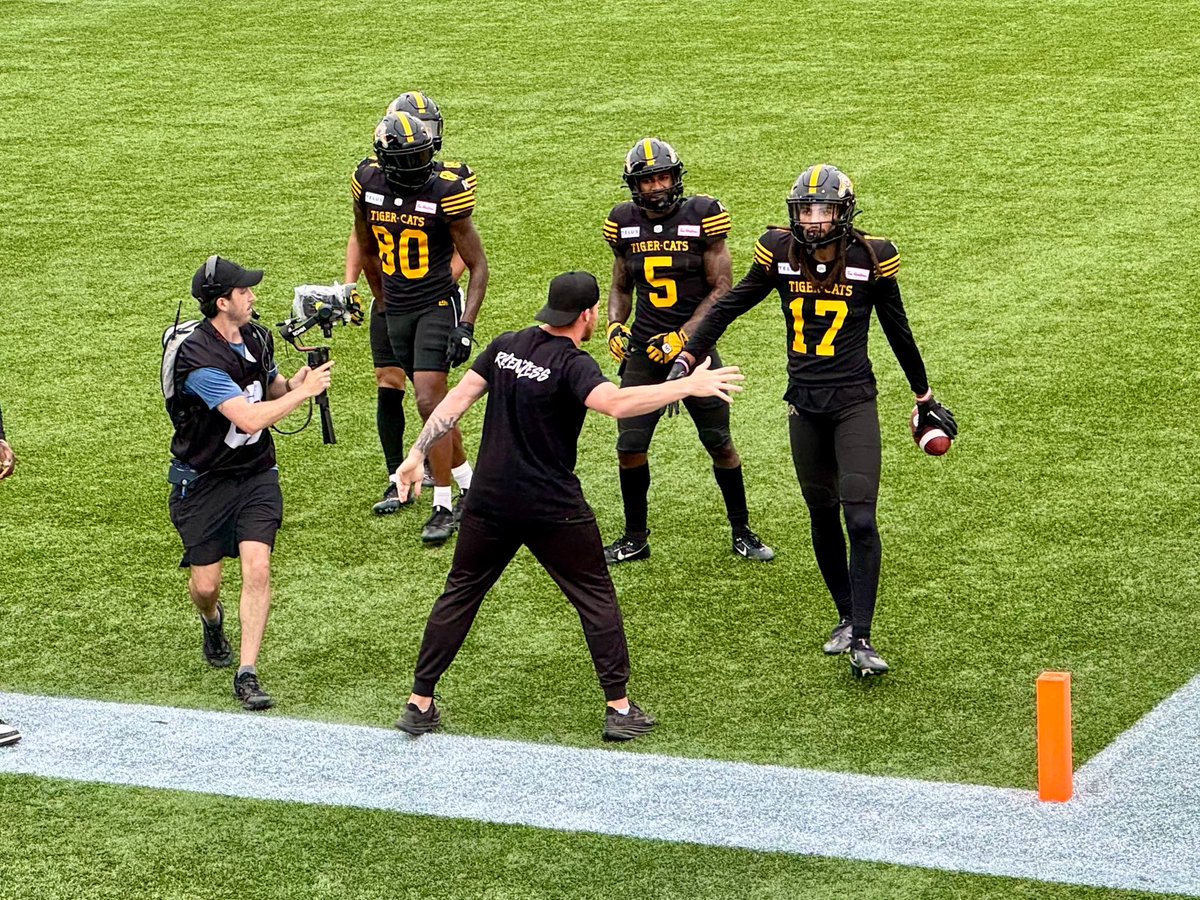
(1133, 825)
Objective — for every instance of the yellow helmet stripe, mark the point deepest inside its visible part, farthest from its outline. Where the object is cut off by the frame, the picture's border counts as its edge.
(648, 149)
(420, 99)
(408, 132)
(816, 176)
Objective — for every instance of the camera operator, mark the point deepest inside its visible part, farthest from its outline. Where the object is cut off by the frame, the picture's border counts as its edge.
(8, 734)
(225, 500)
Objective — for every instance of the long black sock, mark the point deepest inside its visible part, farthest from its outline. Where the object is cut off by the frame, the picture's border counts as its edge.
(389, 419)
(635, 487)
(866, 554)
(829, 545)
(733, 489)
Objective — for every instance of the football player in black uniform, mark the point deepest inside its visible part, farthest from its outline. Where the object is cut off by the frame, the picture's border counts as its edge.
(411, 216)
(224, 392)
(672, 250)
(829, 277)
(389, 376)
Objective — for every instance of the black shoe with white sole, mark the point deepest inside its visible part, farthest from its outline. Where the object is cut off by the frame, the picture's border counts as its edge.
(627, 549)
(865, 660)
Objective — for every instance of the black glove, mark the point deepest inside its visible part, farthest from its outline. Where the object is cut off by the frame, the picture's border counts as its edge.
(931, 414)
(679, 369)
(458, 345)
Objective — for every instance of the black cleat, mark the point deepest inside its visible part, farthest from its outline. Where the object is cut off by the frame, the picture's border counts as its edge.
(627, 549)
(417, 723)
(626, 727)
(247, 689)
(747, 544)
(458, 508)
(217, 651)
(839, 639)
(8, 734)
(440, 526)
(864, 660)
(390, 502)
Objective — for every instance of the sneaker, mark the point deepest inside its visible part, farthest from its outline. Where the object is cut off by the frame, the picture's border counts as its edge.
(864, 660)
(839, 639)
(633, 724)
(439, 527)
(8, 734)
(458, 508)
(217, 651)
(416, 723)
(247, 689)
(390, 502)
(427, 481)
(747, 544)
(627, 549)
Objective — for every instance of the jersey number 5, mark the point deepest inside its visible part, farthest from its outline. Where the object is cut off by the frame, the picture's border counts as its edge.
(824, 308)
(388, 251)
(669, 294)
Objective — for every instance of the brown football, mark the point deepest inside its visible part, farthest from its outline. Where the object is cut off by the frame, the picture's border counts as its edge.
(933, 441)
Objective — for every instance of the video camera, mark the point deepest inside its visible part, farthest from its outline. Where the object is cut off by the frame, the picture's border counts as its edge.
(321, 306)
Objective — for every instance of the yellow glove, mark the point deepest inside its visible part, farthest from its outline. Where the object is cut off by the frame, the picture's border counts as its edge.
(354, 305)
(663, 348)
(618, 340)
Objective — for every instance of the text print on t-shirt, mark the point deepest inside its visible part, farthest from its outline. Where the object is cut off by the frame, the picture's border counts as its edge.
(522, 368)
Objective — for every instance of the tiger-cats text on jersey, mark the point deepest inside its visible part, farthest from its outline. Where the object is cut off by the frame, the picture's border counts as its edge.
(413, 232)
(665, 259)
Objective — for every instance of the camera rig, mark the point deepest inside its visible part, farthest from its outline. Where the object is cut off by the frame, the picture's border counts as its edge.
(321, 306)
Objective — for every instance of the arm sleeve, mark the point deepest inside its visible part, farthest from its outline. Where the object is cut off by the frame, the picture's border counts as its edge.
(890, 309)
(212, 386)
(746, 294)
(583, 375)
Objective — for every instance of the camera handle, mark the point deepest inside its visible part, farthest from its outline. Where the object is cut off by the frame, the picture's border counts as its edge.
(318, 356)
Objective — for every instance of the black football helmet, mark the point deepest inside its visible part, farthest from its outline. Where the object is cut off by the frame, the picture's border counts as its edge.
(421, 106)
(821, 184)
(405, 151)
(650, 156)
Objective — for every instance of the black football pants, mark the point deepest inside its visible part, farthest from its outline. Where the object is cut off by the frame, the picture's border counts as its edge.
(837, 458)
(571, 552)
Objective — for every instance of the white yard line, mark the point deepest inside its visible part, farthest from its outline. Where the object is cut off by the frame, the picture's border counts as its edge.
(1134, 824)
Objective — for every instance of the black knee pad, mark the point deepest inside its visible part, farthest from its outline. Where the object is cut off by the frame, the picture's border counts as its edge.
(634, 440)
(714, 438)
(858, 489)
(820, 497)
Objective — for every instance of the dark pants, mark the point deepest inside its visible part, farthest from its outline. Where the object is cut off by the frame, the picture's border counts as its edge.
(571, 552)
(837, 458)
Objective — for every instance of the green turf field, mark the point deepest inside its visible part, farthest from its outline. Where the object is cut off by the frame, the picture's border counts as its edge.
(1035, 166)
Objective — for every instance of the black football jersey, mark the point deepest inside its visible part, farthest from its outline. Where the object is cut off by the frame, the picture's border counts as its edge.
(204, 438)
(827, 321)
(665, 258)
(413, 232)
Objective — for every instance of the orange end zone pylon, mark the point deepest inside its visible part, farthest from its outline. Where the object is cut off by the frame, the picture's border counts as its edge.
(1055, 762)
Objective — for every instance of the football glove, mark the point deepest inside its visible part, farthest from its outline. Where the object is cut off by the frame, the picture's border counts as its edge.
(354, 307)
(666, 346)
(458, 345)
(931, 414)
(679, 370)
(618, 340)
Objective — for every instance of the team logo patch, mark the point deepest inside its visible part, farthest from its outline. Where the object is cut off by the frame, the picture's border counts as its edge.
(689, 231)
(426, 207)
(786, 269)
(856, 274)
(631, 232)
(374, 198)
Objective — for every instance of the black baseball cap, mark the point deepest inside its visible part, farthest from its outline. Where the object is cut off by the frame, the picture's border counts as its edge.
(217, 276)
(570, 294)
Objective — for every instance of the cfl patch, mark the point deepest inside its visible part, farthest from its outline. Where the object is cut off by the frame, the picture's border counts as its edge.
(373, 198)
(853, 273)
(631, 232)
(424, 206)
(786, 269)
(689, 231)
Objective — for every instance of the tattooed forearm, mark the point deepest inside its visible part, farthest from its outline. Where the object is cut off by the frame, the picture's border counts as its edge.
(435, 429)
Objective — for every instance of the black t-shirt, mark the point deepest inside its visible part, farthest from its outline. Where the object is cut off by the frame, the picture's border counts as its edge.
(204, 438)
(537, 387)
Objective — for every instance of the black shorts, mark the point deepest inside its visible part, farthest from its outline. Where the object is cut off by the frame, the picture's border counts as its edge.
(418, 339)
(837, 454)
(220, 512)
(709, 414)
(382, 356)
